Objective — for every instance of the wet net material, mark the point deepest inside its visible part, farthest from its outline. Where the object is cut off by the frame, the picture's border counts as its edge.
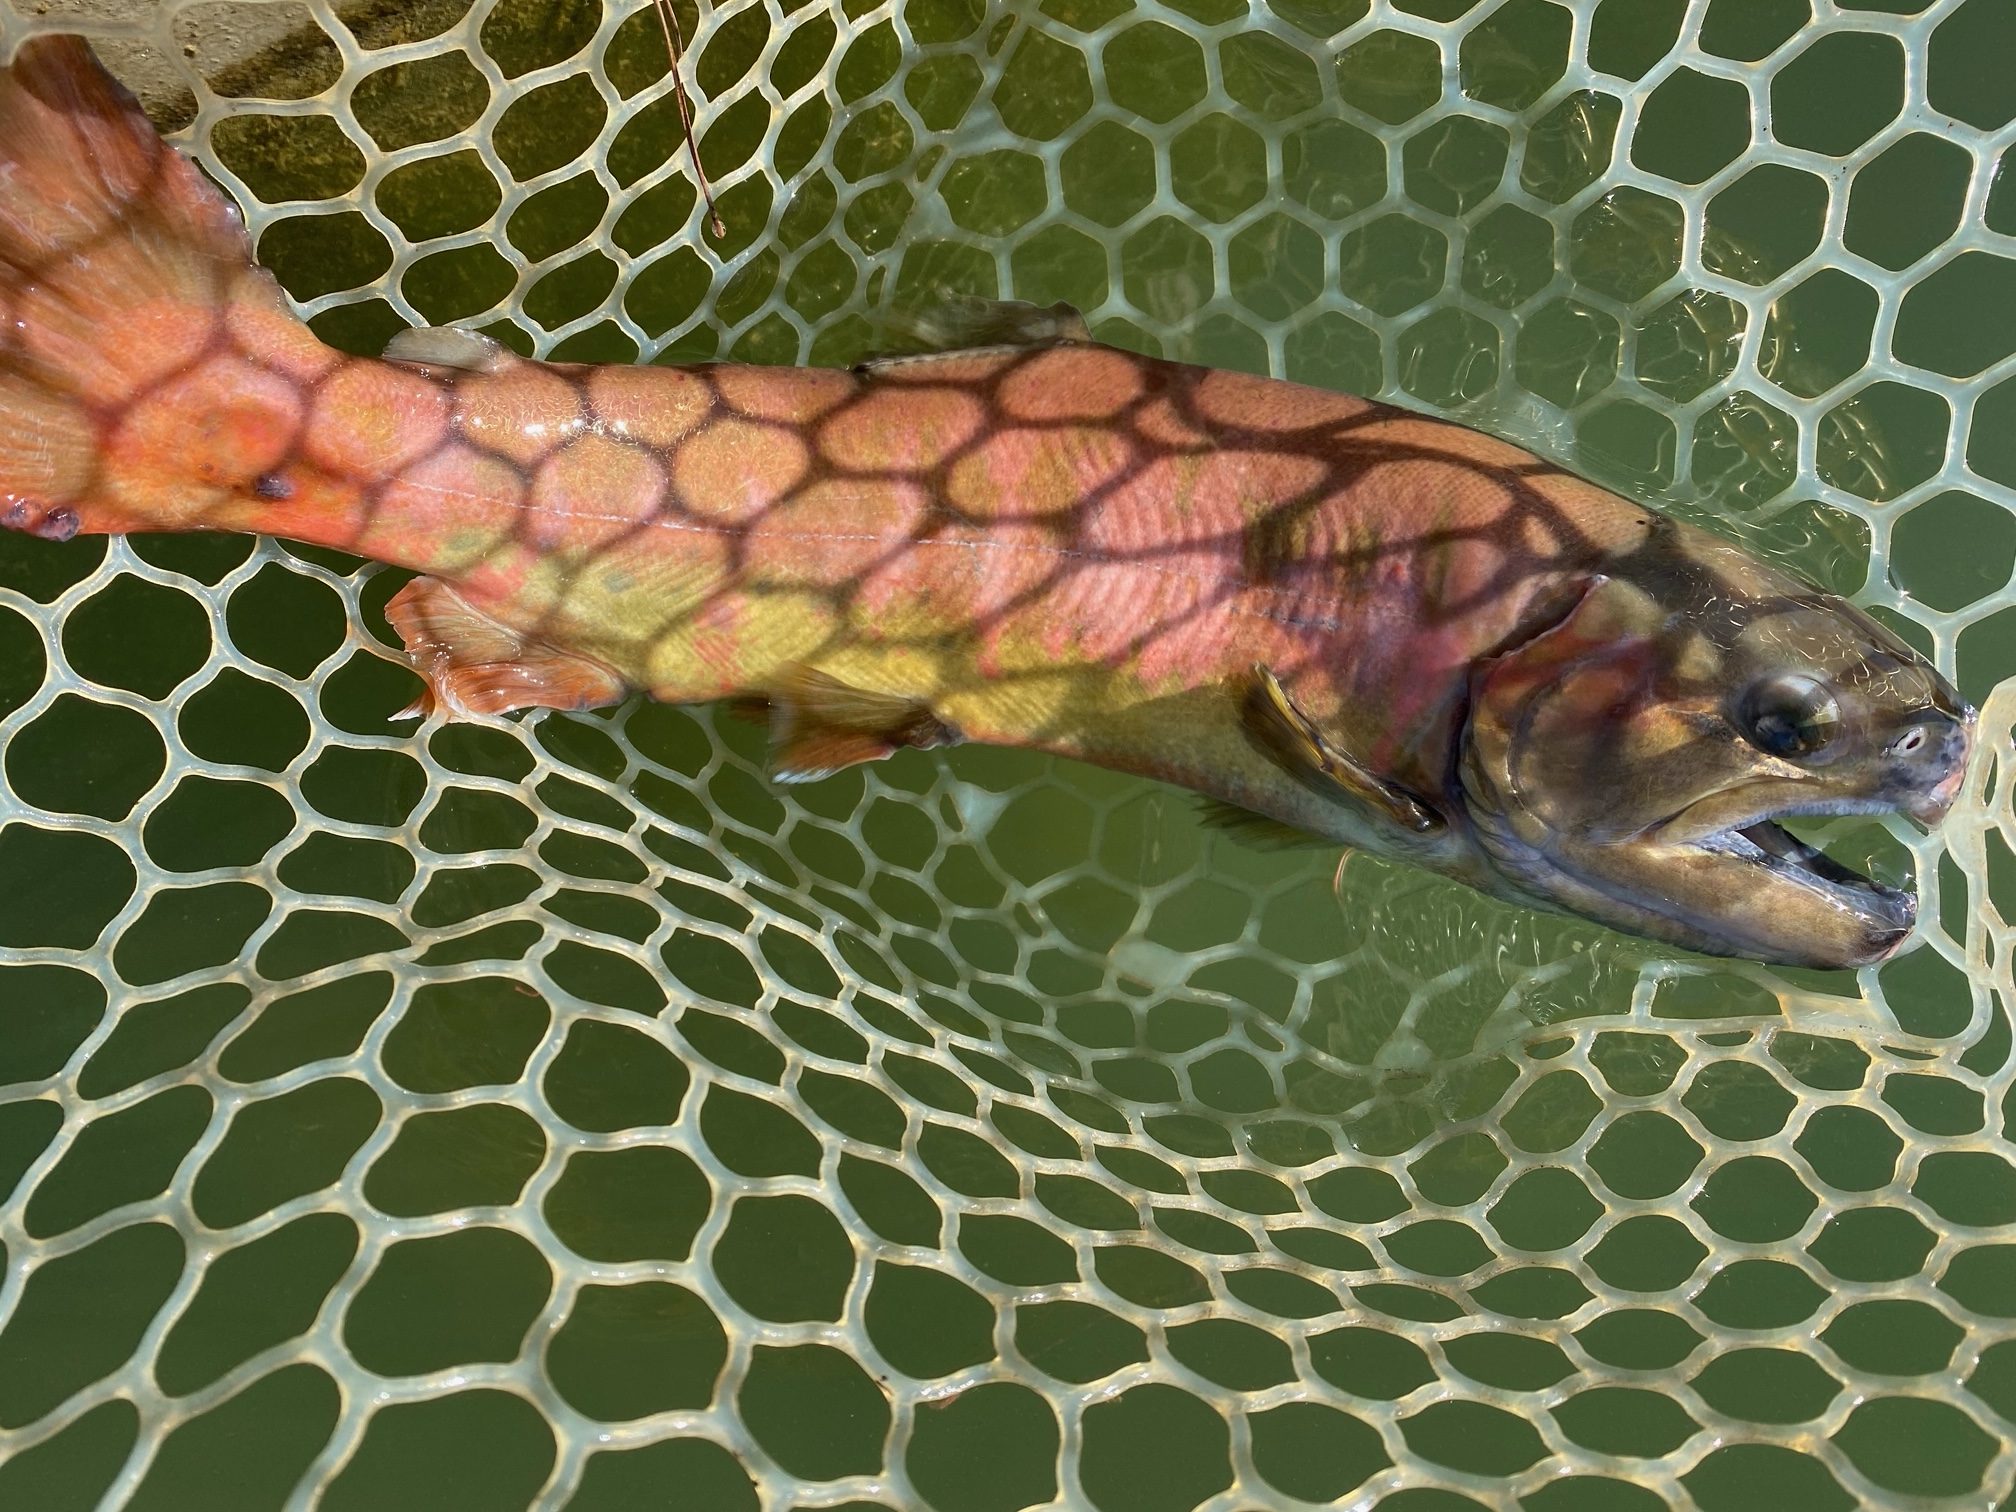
(554, 1112)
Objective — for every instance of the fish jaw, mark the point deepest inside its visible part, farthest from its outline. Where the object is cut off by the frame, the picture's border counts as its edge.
(1865, 920)
(1719, 879)
(1756, 892)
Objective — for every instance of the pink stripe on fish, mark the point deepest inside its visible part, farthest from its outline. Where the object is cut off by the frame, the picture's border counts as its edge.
(1070, 384)
(522, 412)
(1033, 474)
(654, 405)
(786, 396)
(735, 469)
(1234, 399)
(962, 578)
(371, 419)
(901, 429)
(456, 492)
(828, 534)
(593, 491)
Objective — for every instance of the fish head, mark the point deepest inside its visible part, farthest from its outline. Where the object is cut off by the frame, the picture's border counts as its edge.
(1631, 761)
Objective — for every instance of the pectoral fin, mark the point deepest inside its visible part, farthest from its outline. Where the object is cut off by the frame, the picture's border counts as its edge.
(1291, 740)
(819, 724)
(474, 664)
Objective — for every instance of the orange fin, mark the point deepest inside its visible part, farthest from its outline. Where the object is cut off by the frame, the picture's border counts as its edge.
(474, 665)
(819, 724)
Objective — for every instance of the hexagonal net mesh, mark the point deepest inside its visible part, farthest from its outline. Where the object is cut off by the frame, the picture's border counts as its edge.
(553, 1112)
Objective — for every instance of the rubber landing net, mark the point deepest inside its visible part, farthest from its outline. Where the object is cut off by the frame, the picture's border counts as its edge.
(555, 1113)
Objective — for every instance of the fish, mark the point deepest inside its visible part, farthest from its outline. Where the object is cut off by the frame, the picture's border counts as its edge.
(1333, 618)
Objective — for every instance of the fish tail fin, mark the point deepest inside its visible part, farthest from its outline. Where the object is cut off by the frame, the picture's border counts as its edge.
(149, 373)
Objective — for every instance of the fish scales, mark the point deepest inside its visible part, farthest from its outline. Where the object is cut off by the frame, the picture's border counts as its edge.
(811, 521)
(1372, 626)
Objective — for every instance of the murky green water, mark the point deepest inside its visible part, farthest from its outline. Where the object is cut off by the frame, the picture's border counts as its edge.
(1423, 995)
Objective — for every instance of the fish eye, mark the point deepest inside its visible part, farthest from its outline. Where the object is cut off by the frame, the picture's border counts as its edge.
(1790, 716)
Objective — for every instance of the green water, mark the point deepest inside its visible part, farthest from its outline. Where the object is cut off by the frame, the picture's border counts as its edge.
(1377, 951)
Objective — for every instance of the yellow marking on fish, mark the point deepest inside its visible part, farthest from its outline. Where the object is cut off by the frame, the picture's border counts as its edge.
(1698, 660)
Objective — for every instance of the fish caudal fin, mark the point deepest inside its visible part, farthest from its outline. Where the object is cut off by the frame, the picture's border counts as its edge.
(150, 376)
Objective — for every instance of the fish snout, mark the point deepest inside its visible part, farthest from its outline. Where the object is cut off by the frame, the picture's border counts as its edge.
(1929, 763)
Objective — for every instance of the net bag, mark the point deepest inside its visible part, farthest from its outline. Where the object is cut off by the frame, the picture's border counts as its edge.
(557, 1113)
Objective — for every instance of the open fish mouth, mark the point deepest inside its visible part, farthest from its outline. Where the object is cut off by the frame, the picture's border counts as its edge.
(1768, 844)
(1771, 854)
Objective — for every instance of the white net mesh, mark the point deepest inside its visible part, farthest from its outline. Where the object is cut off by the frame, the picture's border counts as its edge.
(555, 1113)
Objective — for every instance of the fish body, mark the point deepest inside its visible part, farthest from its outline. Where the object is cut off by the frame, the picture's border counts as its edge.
(1066, 547)
(1365, 625)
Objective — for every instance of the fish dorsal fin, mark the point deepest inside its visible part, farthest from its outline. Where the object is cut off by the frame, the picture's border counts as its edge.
(961, 324)
(819, 724)
(1291, 740)
(448, 347)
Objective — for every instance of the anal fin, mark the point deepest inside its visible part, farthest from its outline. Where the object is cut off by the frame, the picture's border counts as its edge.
(1290, 738)
(474, 664)
(819, 724)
